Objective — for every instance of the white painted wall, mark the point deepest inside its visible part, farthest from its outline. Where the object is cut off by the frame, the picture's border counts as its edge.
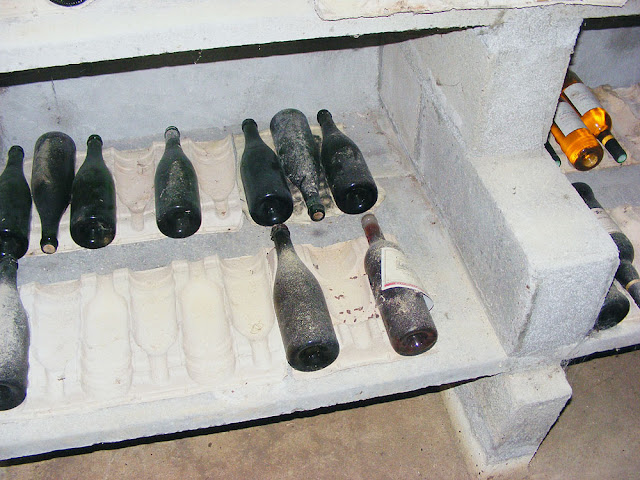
(202, 99)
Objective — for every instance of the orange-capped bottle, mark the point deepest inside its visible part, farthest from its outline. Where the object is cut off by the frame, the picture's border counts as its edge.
(578, 144)
(594, 116)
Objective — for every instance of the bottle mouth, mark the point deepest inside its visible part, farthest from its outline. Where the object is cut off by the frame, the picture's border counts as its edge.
(315, 209)
(94, 138)
(323, 115)
(279, 229)
(17, 148)
(171, 131)
(49, 245)
(249, 121)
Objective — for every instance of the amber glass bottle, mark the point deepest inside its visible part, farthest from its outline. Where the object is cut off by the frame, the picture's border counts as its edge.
(578, 144)
(594, 116)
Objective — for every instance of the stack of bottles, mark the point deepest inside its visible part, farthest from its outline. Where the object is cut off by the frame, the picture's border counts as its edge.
(581, 126)
(299, 159)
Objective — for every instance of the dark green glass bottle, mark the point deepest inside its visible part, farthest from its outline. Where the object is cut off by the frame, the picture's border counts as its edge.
(178, 213)
(404, 311)
(14, 338)
(93, 200)
(297, 151)
(15, 206)
(307, 332)
(614, 309)
(54, 162)
(348, 175)
(626, 274)
(265, 186)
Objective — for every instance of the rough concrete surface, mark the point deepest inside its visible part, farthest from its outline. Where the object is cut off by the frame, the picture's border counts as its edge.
(407, 438)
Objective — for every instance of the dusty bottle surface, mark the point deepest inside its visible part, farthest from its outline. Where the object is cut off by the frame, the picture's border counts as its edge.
(15, 206)
(297, 151)
(626, 274)
(178, 212)
(265, 186)
(613, 310)
(93, 200)
(14, 338)
(307, 332)
(53, 168)
(592, 113)
(404, 310)
(352, 185)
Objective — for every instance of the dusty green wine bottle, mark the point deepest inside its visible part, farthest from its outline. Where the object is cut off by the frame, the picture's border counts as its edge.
(178, 212)
(353, 188)
(14, 338)
(307, 332)
(54, 162)
(297, 151)
(402, 302)
(614, 309)
(626, 274)
(265, 186)
(15, 206)
(93, 200)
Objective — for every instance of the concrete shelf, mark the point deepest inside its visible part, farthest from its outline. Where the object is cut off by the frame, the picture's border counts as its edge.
(451, 116)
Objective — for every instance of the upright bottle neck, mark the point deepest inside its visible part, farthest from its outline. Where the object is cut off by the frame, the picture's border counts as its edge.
(326, 122)
(172, 137)
(94, 149)
(371, 228)
(251, 133)
(15, 157)
(9, 270)
(281, 238)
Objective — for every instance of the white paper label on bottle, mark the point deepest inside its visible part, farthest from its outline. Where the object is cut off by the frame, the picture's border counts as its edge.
(605, 220)
(567, 119)
(581, 97)
(396, 272)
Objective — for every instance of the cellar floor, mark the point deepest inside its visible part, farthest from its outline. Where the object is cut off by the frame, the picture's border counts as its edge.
(407, 437)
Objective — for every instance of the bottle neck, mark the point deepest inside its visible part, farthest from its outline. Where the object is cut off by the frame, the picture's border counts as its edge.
(172, 137)
(15, 157)
(326, 122)
(371, 228)
(94, 149)
(281, 238)
(587, 195)
(251, 133)
(8, 270)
